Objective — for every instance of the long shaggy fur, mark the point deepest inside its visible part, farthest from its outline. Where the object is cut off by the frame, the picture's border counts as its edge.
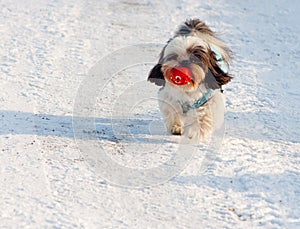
(191, 47)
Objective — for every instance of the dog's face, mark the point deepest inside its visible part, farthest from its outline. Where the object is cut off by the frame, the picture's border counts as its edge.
(186, 52)
(191, 48)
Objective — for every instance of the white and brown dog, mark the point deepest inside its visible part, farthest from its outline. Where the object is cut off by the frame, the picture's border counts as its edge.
(192, 68)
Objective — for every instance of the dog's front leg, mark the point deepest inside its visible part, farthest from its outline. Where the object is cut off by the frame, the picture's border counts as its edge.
(198, 125)
(173, 116)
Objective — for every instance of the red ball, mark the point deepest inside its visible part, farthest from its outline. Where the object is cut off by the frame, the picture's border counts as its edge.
(181, 75)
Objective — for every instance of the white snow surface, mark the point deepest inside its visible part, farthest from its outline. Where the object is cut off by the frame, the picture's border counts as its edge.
(47, 49)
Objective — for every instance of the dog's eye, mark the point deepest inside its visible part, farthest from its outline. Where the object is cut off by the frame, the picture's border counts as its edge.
(195, 59)
(196, 54)
(171, 57)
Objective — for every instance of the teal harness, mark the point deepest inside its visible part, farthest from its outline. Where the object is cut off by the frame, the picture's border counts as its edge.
(220, 60)
(199, 102)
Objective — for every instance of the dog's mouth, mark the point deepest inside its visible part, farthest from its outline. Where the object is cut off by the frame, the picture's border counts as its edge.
(181, 75)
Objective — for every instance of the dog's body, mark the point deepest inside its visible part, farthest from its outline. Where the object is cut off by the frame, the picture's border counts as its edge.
(194, 109)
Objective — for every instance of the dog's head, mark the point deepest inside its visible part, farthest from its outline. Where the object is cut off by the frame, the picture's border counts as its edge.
(194, 47)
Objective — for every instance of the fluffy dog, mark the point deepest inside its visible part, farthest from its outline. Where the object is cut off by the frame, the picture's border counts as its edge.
(192, 68)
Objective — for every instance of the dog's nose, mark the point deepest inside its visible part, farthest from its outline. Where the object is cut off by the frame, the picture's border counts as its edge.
(185, 62)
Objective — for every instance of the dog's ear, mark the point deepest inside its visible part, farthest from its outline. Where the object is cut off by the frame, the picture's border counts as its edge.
(216, 75)
(156, 76)
(215, 69)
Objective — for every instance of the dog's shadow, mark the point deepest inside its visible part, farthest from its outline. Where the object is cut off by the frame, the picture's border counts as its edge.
(144, 131)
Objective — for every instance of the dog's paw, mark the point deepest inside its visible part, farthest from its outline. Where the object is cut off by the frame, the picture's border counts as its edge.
(176, 129)
(197, 134)
(191, 132)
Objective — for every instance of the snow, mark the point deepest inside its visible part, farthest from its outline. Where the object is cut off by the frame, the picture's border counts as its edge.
(249, 179)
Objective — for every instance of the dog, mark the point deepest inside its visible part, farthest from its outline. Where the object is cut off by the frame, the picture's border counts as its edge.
(192, 68)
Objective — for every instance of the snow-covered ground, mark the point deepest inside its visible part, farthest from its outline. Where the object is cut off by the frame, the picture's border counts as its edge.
(47, 49)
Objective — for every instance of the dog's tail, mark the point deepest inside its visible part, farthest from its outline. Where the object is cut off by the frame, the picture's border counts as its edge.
(194, 25)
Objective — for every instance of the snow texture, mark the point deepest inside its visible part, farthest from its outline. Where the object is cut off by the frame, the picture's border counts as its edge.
(47, 49)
